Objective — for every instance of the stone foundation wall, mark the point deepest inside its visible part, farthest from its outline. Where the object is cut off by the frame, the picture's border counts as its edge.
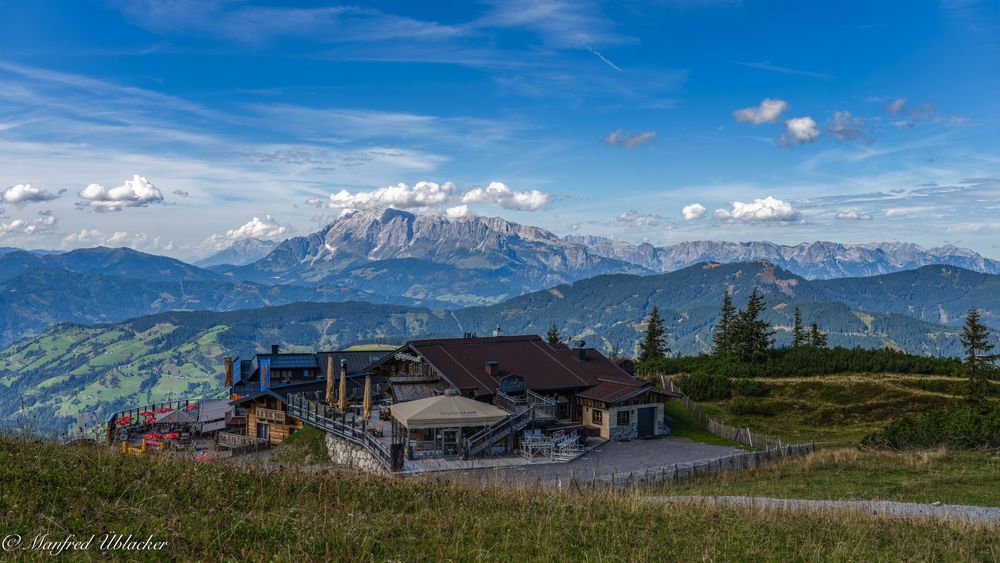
(624, 432)
(347, 454)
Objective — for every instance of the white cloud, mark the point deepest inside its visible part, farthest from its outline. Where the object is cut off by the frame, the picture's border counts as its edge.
(138, 241)
(315, 202)
(181, 193)
(266, 228)
(629, 141)
(458, 211)
(499, 194)
(635, 219)
(137, 192)
(45, 223)
(759, 210)
(846, 127)
(769, 110)
(896, 106)
(400, 196)
(799, 130)
(854, 215)
(22, 194)
(693, 211)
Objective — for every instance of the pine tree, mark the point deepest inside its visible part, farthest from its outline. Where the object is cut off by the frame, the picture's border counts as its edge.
(654, 346)
(553, 335)
(798, 333)
(752, 335)
(722, 340)
(978, 363)
(817, 337)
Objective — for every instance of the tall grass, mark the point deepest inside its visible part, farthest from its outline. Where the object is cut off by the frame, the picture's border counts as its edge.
(216, 511)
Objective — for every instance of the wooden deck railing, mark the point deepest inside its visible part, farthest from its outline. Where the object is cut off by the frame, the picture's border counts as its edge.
(270, 415)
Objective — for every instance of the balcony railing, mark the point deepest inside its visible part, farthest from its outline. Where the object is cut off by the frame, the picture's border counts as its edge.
(271, 415)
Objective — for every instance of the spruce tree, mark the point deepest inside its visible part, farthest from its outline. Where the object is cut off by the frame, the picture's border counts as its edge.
(978, 363)
(798, 333)
(817, 337)
(722, 340)
(654, 346)
(753, 335)
(553, 335)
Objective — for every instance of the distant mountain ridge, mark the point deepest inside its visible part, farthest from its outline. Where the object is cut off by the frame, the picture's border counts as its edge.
(815, 260)
(240, 253)
(498, 257)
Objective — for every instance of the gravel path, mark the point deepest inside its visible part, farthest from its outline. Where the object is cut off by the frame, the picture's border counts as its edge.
(979, 514)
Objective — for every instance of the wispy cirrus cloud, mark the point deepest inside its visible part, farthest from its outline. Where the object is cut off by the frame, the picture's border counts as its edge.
(766, 65)
(629, 140)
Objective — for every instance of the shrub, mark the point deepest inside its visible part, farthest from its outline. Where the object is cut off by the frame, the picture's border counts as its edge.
(750, 387)
(705, 387)
(966, 427)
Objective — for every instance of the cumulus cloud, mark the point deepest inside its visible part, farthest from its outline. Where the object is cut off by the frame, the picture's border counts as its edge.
(693, 211)
(137, 192)
(22, 194)
(629, 141)
(315, 202)
(266, 228)
(399, 196)
(45, 223)
(759, 210)
(769, 110)
(896, 106)
(799, 130)
(854, 215)
(499, 194)
(137, 241)
(633, 218)
(458, 211)
(846, 127)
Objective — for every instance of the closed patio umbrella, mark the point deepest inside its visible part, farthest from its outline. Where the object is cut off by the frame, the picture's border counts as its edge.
(329, 380)
(367, 405)
(342, 400)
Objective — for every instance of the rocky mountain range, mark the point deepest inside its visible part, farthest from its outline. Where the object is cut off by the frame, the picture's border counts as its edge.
(240, 253)
(812, 260)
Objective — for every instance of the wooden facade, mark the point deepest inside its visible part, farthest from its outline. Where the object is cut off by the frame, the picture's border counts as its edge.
(267, 419)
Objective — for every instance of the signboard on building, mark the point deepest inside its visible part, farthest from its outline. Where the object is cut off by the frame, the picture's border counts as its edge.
(403, 356)
(513, 384)
(265, 374)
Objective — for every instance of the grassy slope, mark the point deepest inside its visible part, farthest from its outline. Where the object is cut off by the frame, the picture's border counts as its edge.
(212, 510)
(836, 409)
(683, 424)
(950, 477)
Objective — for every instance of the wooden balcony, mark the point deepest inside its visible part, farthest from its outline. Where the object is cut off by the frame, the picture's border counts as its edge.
(271, 415)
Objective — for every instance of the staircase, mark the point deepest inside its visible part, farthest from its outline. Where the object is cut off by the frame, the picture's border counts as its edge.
(485, 438)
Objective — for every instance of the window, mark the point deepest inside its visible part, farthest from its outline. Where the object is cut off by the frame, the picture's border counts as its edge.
(596, 416)
(562, 410)
(623, 417)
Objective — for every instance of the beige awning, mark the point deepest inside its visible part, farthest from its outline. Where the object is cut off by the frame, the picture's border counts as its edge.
(446, 411)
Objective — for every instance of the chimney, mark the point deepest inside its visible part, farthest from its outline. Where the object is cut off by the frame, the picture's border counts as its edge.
(274, 348)
(492, 368)
(229, 371)
(581, 352)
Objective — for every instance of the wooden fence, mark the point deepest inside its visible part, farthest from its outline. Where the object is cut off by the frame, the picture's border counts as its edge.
(670, 474)
(742, 435)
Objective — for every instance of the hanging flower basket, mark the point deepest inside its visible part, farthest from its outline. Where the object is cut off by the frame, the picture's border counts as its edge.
(191, 408)
(124, 420)
(163, 410)
(150, 419)
(146, 413)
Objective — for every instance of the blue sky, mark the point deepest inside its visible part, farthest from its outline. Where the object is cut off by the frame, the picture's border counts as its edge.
(170, 126)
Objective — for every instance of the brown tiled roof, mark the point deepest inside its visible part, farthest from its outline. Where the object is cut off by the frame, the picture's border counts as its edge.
(544, 367)
(614, 391)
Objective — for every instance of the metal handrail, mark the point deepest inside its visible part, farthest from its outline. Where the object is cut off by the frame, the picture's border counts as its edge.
(488, 436)
(315, 414)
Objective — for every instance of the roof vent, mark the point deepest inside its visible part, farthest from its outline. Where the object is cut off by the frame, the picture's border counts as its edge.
(274, 348)
(581, 352)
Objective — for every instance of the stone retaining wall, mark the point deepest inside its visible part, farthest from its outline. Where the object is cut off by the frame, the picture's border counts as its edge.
(344, 453)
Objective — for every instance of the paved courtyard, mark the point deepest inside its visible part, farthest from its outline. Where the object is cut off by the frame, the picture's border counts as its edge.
(605, 460)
